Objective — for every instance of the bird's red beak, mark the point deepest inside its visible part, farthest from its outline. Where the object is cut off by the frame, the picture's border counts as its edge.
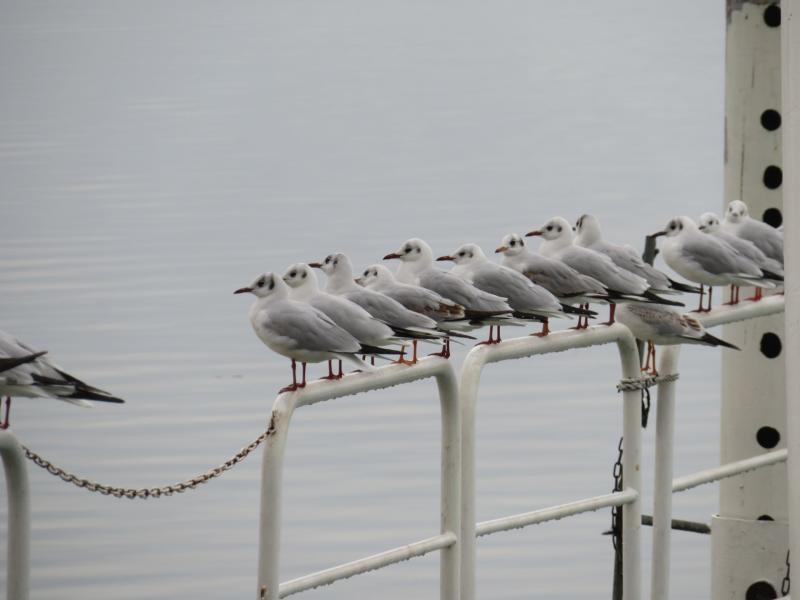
(316, 265)
(445, 258)
(391, 255)
(501, 249)
(243, 290)
(534, 232)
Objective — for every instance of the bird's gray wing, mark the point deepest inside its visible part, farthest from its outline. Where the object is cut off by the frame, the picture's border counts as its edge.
(559, 278)
(388, 310)
(628, 259)
(768, 239)
(306, 328)
(461, 292)
(602, 268)
(662, 320)
(522, 294)
(716, 256)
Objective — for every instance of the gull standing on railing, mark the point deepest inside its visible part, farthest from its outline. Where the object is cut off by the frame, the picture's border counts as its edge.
(660, 325)
(561, 280)
(370, 332)
(527, 299)
(590, 236)
(25, 373)
(416, 267)
(772, 269)
(623, 285)
(739, 222)
(405, 323)
(297, 330)
(705, 259)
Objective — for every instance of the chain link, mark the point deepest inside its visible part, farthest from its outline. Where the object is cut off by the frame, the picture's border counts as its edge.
(645, 407)
(616, 511)
(786, 584)
(144, 493)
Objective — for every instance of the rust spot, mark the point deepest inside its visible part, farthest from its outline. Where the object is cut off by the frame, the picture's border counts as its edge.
(272, 422)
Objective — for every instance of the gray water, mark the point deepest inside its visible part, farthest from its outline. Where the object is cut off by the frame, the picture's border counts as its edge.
(154, 156)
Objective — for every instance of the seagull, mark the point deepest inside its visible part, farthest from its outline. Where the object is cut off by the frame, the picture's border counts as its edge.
(623, 285)
(297, 330)
(405, 323)
(664, 326)
(767, 239)
(371, 333)
(564, 282)
(413, 297)
(705, 259)
(772, 269)
(24, 372)
(416, 268)
(527, 299)
(626, 257)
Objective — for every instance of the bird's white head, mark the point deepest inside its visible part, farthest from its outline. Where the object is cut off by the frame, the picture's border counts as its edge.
(335, 265)
(511, 245)
(466, 254)
(300, 276)
(676, 226)
(709, 222)
(587, 229)
(556, 230)
(414, 250)
(267, 285)
(736, 212)
(375, 276)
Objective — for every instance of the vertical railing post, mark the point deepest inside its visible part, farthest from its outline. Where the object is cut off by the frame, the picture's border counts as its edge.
(752, 506)
(662, 487)
(19, 519)
(631, 472)
(790, 62)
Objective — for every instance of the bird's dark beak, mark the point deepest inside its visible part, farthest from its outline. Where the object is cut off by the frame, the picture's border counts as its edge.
(501, 249)
(359, 280)
(534, 232)
(315, 265)
(445, 258)
(391, 255)
(702, 227)
(243, 290)
(657, 234)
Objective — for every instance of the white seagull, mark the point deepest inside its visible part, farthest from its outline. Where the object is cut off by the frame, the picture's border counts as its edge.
(590, 236)
(705, 259)
(527, 299)
(772, 269)
(370, 332)
(24, 372)
(767, 239)
(297, 330)
(664, 326)
(622, 285)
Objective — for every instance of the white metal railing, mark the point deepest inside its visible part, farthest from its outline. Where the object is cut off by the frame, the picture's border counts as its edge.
(19, 517)
(271, 486)
(665, 436)
(629, 498)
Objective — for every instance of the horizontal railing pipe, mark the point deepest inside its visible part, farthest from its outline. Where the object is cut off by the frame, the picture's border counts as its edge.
(369, 563)
(688, 482)
(554, 513)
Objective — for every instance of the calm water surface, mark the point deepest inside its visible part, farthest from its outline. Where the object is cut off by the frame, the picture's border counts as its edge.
(154, 156)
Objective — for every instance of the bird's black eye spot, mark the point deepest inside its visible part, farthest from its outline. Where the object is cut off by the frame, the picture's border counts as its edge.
(305, 274)
(419, 250)
(336, 262)
(549, 228)
(271, 284)
(512, 243)
(462, 253)
(327, 259)
(293, 274)
(366, 273)
(260, 282)
(559, 227)
(407, 249)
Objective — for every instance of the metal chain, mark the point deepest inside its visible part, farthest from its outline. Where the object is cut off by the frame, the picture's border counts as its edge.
(645, 407)
(157, 492)
(616, 511)
(787, 581)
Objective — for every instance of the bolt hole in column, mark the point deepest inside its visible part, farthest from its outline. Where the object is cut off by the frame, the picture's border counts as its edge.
(770, 119)
(761, 590)
(772, 15)
(773, 177)
(765, 518)
(773, 217)
(768, 437)
(770, 345)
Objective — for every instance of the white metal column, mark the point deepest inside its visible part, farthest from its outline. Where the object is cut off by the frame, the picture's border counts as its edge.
(791, 151)
(749, 535)
(19, 517)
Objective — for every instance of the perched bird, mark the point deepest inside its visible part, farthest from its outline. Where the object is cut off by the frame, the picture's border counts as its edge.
(527, 299)
(622, 285)
(296, 329)
(24, 372)
(767, 239)
(405, 323)
(413, 297)
(626, 257)
(369, 331)
(705, 259)
(664, 326)
(772, 269)
(416, 267)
